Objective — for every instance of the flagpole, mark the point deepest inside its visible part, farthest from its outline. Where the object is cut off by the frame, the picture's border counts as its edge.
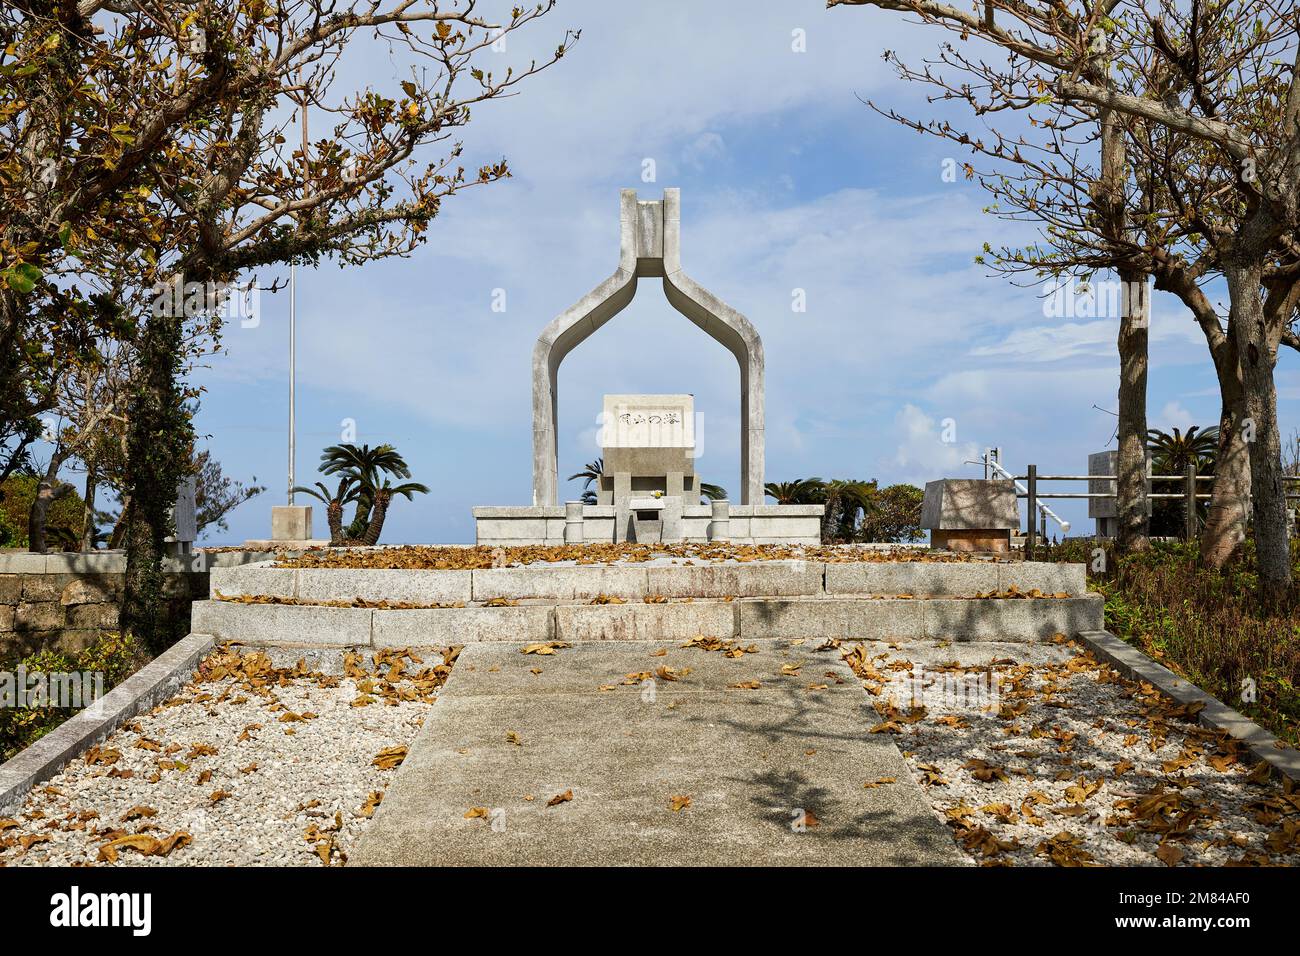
(293, 318)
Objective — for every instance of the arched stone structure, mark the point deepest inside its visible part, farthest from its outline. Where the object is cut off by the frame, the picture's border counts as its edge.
(649, 246)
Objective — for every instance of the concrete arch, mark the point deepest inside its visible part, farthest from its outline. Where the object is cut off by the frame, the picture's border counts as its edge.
(649, 246)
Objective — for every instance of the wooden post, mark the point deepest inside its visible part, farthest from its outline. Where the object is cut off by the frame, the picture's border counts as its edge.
(1189, 499)
(1031, 482)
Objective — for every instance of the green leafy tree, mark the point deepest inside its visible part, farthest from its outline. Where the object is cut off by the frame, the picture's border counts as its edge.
(893, 515)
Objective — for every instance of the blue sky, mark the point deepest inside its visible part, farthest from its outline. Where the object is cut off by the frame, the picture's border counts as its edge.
(788, 182)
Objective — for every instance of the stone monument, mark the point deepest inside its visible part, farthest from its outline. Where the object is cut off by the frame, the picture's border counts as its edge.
(970, 514)
(649, 247)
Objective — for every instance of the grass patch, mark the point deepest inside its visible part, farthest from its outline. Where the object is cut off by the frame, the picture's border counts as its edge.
(1204, 625)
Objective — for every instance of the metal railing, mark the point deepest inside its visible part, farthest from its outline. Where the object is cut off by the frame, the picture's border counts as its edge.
(1189, 495)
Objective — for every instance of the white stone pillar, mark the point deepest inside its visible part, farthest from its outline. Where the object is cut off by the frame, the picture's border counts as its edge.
(720, 521)
(573, 533)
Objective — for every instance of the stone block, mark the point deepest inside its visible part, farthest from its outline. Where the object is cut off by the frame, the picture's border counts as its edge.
(414, 586)
(1011, 619)
(86, 562)
(91, 590)
(969, 504)
(7, 612)
(969, 540)
(11, 588)
(253, 581)
(637, 621)
(824, 618)
(443, 627)
(282, 624)
(40, 616)
(290, 522)
(92, 616)
(917, 578)
(753, 579)
(559, 584)
(1070, 579)
(22, 562)
(44, 587)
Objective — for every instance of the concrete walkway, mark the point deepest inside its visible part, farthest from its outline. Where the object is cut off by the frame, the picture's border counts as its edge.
(755, 763)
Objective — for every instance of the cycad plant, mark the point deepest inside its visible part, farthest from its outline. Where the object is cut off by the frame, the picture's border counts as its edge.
(334, 504)
(591, 472)
(363, 479)
(801, 491)
(1171, 454)
(710, 492)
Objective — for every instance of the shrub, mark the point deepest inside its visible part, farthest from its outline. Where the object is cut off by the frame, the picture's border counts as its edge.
(116, 656)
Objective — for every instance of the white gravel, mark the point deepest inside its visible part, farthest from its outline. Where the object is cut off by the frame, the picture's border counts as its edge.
(273, 765)
(1080, 767)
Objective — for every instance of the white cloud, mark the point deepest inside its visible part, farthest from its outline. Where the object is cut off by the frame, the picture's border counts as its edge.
(923, 453)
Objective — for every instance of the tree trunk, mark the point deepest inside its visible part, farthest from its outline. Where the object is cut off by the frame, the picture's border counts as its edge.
(160, 449)
(378, 512)
(334, 515)
(1258, 355)
(1131, 468)
(117, 536)
(88, 524)
(49, 490)
(1229, 514)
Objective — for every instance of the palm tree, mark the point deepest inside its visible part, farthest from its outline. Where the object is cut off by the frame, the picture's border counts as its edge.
(363, 479)
(1172, 453)
(801, 491)
(844, 498)
(383, 495)
(334, 504)
(710, 492)
(366, 466)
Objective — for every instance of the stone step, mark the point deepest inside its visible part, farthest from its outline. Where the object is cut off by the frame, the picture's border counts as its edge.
(638, 581)
(813, 618)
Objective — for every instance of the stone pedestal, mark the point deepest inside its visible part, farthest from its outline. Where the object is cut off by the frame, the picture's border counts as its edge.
(970, 514)
(1104, 511)
(291, 522)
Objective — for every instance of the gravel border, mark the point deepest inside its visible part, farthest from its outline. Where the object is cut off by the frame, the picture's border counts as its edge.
(150, 685)
(1135, 665)
(258, 760)
(1069, 763)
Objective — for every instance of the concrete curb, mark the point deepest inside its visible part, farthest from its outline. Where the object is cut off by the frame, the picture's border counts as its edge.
(1132, 663)
(147, 687)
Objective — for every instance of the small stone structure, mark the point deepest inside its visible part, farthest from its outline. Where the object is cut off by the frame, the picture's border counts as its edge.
(970, 514)
(667, 505)
(1104, 510)
(290, 530)
(184, 518)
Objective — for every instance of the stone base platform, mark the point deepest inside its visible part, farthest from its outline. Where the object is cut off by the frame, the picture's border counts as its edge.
(746, 524)
(876, 600)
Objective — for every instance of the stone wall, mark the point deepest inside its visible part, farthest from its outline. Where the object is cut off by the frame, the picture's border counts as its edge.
(65, 602)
